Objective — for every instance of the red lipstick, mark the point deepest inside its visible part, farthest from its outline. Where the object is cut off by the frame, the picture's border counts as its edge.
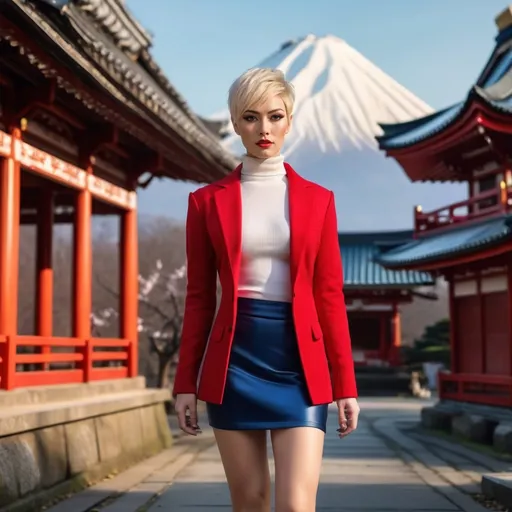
(264, 143)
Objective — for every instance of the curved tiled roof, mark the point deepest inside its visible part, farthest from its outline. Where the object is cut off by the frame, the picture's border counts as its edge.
(493, 89)
(103, 39)
(361, 269)
(451, 243)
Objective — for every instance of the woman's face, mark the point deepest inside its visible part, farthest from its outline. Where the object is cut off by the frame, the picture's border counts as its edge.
(263, 128)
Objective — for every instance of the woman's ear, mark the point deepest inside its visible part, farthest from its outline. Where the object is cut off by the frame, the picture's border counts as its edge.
(290, 118)
(235, 126)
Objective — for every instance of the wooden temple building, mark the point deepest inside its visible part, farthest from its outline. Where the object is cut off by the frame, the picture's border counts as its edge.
(374, 295)
(86, 118)
(469, 242)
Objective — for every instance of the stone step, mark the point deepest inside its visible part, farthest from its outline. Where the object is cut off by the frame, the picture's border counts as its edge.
(51, 448)
(132, 489)
(498, 486)
(23, 418)
(59, 393)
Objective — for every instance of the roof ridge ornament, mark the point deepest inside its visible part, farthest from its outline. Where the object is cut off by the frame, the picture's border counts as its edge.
(504, 19)
(115, 19)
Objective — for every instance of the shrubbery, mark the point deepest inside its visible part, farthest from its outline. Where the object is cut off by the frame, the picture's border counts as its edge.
(432, 347)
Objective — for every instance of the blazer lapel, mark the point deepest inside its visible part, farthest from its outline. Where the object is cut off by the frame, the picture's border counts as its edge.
(228, 201)
(300, 213)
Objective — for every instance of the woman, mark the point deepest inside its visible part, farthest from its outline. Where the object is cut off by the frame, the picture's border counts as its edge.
(278, 351)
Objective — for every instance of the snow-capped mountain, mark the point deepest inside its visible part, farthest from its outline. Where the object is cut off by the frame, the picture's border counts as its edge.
(340, 98)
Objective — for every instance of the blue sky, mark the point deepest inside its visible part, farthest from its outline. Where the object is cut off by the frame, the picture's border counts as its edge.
(435, 48)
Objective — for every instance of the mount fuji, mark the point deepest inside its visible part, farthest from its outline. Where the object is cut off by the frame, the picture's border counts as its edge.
(340, 98)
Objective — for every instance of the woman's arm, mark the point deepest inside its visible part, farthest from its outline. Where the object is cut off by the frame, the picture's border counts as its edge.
(200, 302)
(330, 304)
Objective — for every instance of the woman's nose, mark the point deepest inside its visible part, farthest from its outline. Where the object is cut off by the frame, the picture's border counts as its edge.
(264, 129)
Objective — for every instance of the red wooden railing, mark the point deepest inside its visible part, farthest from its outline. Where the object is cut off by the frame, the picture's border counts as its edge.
(477, 388)
(486, 204)
(70, 360)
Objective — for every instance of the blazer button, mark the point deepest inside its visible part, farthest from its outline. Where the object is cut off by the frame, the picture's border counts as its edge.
(230, 329)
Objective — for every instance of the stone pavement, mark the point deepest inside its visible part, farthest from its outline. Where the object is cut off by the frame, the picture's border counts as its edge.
(384, 466)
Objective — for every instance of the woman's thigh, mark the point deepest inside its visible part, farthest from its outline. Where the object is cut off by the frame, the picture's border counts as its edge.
(244, 457)
(298, 460)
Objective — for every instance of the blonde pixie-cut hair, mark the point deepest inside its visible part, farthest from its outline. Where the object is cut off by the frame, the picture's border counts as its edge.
(255, 86)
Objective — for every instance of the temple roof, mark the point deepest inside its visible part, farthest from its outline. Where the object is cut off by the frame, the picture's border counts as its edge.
(101, 38)
(493, 89)
(452, 243)
(359, 252)
(116, 20)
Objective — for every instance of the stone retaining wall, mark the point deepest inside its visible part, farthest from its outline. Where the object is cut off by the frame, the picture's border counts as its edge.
(491, 426)
(50, 449)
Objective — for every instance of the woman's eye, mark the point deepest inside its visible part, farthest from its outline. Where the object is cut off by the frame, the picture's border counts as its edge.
(249, 119)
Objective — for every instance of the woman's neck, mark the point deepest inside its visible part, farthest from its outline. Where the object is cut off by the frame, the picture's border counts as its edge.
(273, 166)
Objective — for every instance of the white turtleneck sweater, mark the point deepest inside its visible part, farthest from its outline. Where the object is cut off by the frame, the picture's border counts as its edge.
(265, 265)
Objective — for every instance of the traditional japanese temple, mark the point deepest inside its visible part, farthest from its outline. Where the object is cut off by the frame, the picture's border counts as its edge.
(87, 118)
(374, 295)
(469, 242)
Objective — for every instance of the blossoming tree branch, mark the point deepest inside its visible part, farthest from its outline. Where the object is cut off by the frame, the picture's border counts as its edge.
(161, 306)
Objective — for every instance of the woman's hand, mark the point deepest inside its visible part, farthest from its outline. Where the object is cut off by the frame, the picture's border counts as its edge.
(186, 407)
(348, 413)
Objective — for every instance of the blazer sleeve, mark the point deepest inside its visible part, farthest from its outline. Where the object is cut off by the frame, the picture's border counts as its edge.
(200, 302)
(332, 312)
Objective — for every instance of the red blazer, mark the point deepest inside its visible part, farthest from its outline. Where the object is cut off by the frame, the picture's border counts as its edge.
(214, 245)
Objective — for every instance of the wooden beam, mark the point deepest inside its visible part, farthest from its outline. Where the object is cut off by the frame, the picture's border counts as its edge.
(32, 219)
(42, 97)
(103, 136)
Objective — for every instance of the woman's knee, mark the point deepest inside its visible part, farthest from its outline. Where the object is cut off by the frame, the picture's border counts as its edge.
(251, 497)
(296, 500)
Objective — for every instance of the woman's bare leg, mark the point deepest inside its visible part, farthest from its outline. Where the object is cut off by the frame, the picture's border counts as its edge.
(244, 457)
(298, 460)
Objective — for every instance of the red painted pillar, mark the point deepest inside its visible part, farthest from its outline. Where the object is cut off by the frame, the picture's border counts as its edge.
(10, 183)
(129, 285)
(44, 269)
(396, 335)
(82, 274)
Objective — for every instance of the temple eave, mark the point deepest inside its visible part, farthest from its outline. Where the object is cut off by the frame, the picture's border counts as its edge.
(160, 123)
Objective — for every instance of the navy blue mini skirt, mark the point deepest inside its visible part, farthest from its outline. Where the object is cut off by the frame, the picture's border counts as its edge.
(265, 385)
